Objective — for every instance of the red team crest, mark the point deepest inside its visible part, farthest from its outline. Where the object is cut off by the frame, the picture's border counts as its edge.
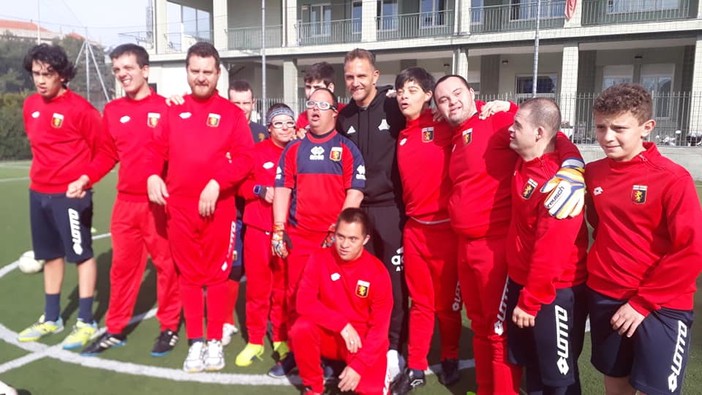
(57, 120)
(335, 154)
(213, 120)
(638, 194)
(427, 135)
(529, 189)
(362, 288)
(152, 119)
(467, 136)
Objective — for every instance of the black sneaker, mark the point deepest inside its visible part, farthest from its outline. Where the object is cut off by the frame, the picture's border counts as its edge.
(164, 343)
(449, 372)
(102, 343)
(283, 367)
(409, 380)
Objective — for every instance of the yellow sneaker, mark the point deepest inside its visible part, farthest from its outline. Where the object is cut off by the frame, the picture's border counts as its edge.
(40, 329)
(81, 334)
(281, 348)
(248, 354)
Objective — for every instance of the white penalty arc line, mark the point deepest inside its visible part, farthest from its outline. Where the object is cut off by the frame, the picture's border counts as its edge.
(39, 351)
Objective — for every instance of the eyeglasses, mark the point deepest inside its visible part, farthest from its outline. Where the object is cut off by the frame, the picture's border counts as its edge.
(322, 105)
(281, 124)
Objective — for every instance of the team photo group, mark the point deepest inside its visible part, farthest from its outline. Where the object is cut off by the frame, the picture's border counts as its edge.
(358, 227)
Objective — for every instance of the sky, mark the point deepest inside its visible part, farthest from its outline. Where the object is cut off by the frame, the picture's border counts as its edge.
(104, 19)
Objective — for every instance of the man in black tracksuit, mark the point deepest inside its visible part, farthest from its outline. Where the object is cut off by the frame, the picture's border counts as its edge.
(373, 121)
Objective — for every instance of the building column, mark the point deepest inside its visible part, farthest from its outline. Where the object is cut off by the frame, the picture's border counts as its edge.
(223, 82)
(577, 19)
(220, 24)
(290, 88)
(460, 62)
(369, 15)
(160, 26)
(290, 23)
(569, 86)
(462, 16)
(696, 91)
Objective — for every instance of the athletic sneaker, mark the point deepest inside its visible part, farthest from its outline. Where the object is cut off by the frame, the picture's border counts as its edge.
(81, 334)
(250, 353)
(449, 372)
(228, 330)
(164, 343)
(102, 343)
(214, 358)
(393, 368)
(281, 348)
(40, 329)
(409, 380)
(195, 361)
(283, 367)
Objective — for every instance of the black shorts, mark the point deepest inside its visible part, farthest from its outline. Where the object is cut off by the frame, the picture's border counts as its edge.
(654, 358)
(551, 348)
(61, 226)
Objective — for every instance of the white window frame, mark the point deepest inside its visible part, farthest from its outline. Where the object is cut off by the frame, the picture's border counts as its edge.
(356, 23)
(662, 105)
(321, 28)
(617, 74)
(434, 18)
(394, 20)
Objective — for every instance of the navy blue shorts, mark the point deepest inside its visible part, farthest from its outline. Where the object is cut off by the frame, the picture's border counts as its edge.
(549, 351)
(61, 226)
(654, 358)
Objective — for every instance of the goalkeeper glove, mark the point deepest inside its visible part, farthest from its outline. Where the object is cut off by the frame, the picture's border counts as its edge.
(329, 240)
(280, 241)
(566, 190)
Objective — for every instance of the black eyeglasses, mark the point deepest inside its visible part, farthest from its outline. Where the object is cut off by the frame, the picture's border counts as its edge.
(322, 105)
(281, 124)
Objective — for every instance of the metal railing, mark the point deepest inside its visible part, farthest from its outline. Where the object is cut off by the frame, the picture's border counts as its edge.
(424, 24)
(517, 17)
(180, 42)
(249, 38)
(329, 32)
(603, 12)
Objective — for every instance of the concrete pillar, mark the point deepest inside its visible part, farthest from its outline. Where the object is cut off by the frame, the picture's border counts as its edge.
(462, 17)
(577, 18)
(460, 62)
(160, 26)
(223, 82)
(369, 15)
(696, 99)
(569, 85)
(290, 87)
(290, 23)
(220, 24)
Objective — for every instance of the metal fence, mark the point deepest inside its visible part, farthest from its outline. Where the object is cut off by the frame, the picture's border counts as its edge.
(180, 42)
(331, 32)
(598, 12)
(249, 38)
(424, 24)
(516, 17)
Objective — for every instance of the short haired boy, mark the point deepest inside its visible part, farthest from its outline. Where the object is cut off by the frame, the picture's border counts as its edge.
(647, 251)
(546, 303)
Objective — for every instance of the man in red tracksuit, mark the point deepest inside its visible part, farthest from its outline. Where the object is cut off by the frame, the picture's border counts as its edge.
(138, 227)
(481, 169)
(265, 289)
(424, 147)
(344, 301)
(546, 304)
(317, 177)
(206, 142)
(647, 251)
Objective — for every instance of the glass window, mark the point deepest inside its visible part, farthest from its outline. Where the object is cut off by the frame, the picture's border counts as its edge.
(658, 79)
(617, 74)
(628, 6)
(320, 19)
(545, 84)
(388, 15)
(356, 16)
(527, 9)
(432, 13)
(476, 11)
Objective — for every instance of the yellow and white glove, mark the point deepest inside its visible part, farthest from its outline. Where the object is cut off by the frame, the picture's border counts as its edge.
(280, 241)
(567, 190)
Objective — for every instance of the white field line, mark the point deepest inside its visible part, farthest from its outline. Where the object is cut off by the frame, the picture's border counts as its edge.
(14, 179)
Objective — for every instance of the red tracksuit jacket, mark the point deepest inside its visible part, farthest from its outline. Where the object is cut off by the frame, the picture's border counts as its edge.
(423, 154)
(63, 135)
(258, 212)
(648, 231)
(333, 293)
(131, 125)
(543, 253)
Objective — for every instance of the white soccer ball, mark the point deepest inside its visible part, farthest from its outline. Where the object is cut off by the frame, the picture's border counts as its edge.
(6, 389)
(27, 263)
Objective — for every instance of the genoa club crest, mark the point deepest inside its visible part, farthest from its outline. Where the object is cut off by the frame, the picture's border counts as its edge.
(467, 136)
(213, 120)
(362, 288)
(152, 119)
(335, 154)
(428, 135)
(57, 120)
(529, 189)
(638, 194)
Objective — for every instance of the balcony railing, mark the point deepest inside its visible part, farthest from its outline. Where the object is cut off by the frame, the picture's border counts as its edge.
(249, 38)
(517, 17)
(425, 24)
(180, 42)
(603, 12)
(329, 32)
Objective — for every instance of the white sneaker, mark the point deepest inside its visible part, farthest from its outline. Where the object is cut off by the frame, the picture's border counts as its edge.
(214, 358)
(393, 369)
(195, 361)
(228, 330)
